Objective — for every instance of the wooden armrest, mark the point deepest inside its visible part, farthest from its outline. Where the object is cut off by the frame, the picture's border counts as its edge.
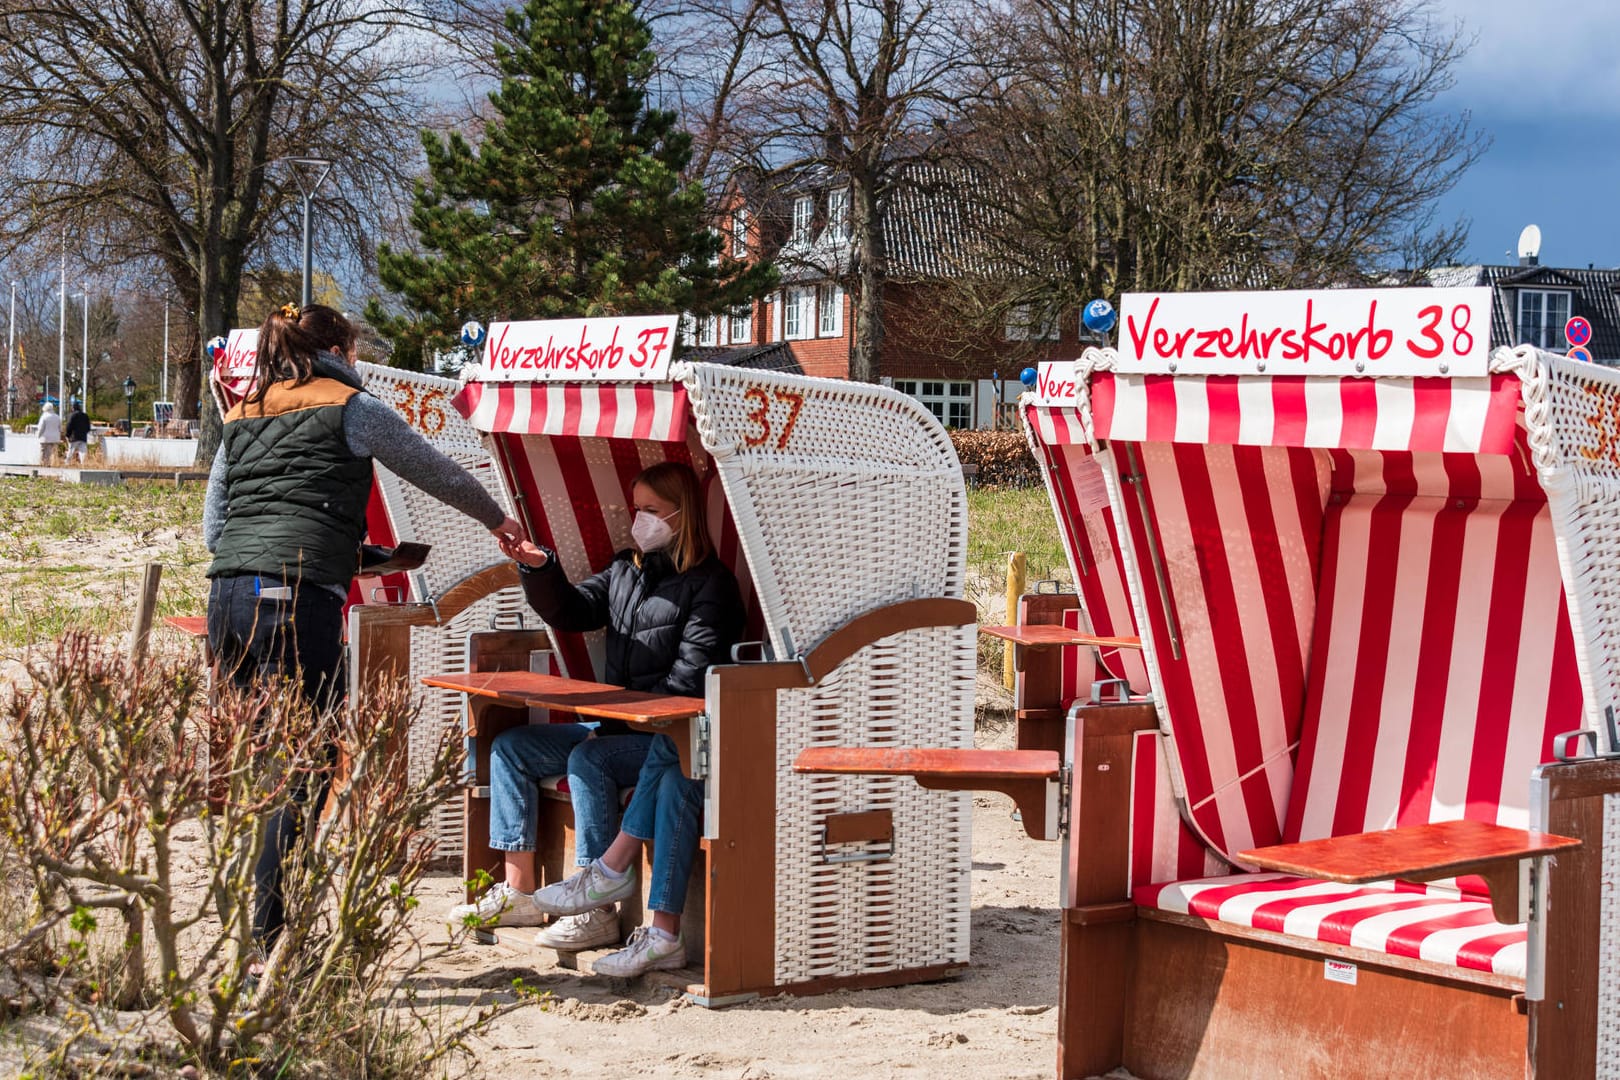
(953, 764)
(1419, 853)
(1051, 635)
(1030, 777)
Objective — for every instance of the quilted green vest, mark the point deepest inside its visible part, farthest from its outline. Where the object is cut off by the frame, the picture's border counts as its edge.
(296, 496)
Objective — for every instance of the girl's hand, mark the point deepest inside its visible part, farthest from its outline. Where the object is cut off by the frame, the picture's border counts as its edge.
(524, 551)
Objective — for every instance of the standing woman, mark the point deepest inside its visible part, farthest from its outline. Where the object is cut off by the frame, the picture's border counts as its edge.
(284, 517)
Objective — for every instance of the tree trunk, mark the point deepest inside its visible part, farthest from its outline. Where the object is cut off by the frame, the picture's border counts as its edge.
(871, 271)
(220, 283)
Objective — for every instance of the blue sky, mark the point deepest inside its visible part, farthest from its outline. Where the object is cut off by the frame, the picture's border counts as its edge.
(1543, 82)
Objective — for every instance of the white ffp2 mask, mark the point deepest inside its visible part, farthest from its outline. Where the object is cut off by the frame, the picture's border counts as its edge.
(651, 532)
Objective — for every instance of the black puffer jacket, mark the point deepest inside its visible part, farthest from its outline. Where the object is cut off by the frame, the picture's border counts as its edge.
(663, 628)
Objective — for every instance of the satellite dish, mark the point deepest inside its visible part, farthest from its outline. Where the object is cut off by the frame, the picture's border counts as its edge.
(1530, 242)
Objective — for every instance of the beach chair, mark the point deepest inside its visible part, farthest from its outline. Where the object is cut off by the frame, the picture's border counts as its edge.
(841, 509)
(1376, 616)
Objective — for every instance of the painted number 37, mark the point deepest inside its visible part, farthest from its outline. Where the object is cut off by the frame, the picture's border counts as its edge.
(790, 401)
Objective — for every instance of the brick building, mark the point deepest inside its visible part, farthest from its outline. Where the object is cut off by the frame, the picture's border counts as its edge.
(957, 373)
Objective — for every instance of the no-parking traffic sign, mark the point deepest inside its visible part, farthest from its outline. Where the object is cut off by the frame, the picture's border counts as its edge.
(1578, 332)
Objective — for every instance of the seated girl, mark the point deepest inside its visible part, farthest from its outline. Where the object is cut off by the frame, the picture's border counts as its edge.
(671, 609)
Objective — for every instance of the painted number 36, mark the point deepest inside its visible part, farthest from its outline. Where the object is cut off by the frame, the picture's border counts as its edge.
(427, 415)
(760, 417)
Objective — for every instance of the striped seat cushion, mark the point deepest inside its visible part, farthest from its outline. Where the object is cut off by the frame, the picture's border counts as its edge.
(1394, 918)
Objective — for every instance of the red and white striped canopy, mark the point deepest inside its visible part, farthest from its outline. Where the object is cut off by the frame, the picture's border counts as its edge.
(1468, 416)
(654, 412)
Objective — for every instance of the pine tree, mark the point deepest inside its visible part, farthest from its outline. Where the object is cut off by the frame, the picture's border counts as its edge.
(574, 202)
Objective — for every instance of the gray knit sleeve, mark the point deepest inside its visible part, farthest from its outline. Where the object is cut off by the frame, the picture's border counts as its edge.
(215, 502)
(374, 430)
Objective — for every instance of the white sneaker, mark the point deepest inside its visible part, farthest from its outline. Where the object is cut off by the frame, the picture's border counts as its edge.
(645, 951)
(502, 905)
(590, 888)
(576, 933)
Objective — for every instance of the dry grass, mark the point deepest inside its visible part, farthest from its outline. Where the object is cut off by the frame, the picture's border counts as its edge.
(71, 554)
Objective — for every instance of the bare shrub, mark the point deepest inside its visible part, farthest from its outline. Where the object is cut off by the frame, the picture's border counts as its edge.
(139, 851)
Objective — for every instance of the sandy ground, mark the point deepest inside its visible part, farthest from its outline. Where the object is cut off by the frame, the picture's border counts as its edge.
(999, 1019)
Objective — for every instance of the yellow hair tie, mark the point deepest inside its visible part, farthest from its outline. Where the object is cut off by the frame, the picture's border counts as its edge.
(289, 311)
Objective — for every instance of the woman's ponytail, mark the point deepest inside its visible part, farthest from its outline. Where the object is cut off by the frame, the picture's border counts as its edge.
(289, 341)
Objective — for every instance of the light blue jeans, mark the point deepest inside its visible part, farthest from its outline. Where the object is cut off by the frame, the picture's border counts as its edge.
(598, 768)
(667, 809)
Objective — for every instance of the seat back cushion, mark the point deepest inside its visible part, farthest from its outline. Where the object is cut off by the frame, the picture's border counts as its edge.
(1442, 662)
(1086, 523)
(576, 492)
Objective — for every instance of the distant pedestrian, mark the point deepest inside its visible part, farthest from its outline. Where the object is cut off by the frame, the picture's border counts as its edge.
(50, 434)
(77, 434)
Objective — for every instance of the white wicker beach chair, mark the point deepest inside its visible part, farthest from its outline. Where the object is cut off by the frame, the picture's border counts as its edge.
(841, 508)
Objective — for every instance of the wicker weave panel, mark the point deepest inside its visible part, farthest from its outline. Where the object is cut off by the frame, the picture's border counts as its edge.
(424, 402)
(442, 650)
(847, 497)
(1572, 413)
(842, 919)
(1608, 1048)
(460, 547)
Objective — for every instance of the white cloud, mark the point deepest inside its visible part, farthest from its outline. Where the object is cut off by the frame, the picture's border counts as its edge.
(1531, 57)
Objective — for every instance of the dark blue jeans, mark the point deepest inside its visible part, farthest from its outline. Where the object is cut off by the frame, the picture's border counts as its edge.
(301, 637)
(598, 769)
(667, 809)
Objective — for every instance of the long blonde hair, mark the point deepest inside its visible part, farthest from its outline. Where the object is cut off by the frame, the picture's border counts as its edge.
(677, 483)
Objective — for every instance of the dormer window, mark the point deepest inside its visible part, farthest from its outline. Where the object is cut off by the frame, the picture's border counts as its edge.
(802, 213)
(1541, 318)
(838, 215)
(739, 232)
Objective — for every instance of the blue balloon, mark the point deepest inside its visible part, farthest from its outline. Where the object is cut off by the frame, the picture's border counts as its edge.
(1099, 316)
(472, 333)
(1028, 377)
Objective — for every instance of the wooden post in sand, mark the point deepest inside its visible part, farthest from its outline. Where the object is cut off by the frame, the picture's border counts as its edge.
(1016, 579)
(145, 607)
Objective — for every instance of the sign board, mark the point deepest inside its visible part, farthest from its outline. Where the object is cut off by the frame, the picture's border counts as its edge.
(162, 412)
(1414, 332)
(233, 371)
(632, 348)
(1581, 353)
(1577, 331)
(1054, 383)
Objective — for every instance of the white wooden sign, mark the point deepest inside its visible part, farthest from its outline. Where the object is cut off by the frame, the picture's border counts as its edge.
(1412, 332)
(1054, 383)
(632, 348)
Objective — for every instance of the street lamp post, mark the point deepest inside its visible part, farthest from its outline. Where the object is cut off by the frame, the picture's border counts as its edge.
(129, 402)
(11, 353)
(310, 173)
(84, 352)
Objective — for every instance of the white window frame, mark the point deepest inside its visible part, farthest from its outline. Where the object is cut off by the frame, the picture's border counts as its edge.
(1021, 325)
(830, 310)
(950, 400)
(742, 325)
(1548, 333)
(838, 215)
(708, 331)
(803, 214)
(798, 323)
(739, 232)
